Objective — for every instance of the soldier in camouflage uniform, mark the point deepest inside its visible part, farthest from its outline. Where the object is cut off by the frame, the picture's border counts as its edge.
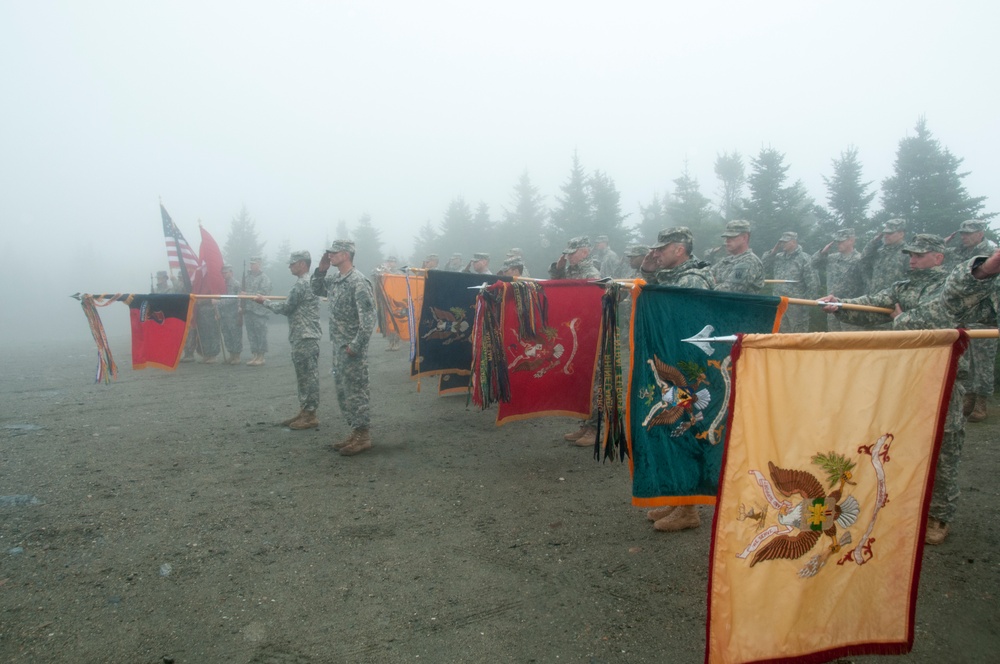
(882, 263)
(788, 261)
(670, 262)
(480, 264)
(575, 261)
(431, 262)
(231, 317)
(304, 332)
(255, 315)
(632, 261)
(162, 282)
(920, 304)
(515, 253)
(454, 263)
(841, 272)
(605, 260)
(352, 320)
(982, 353)
(512, 267)
(741, 271)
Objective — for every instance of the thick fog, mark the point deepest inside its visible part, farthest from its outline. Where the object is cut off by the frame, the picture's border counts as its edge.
(310, 113)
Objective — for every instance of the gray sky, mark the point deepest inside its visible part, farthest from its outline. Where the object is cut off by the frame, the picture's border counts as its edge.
(311, 112)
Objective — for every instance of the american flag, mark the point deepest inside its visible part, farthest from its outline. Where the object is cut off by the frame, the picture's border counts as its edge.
(178, 250)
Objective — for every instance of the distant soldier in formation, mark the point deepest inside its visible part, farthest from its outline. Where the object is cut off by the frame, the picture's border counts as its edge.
(231, 317)
(882, 262)
(304, 332)
(516, 253)
(575, 261)
(982, 353)
(431, 262)
(480, 264)
(671, 262)
(632, 261)
(790, 263)
(162, 283)
(454, 263)
(512, 267)
(918, 304)
(352, 321)
(255, 315)
(605, 260)
(740, 271)
(842, 275)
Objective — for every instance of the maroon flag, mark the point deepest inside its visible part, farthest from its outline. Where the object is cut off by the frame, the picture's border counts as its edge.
(179, 252)
(159, 329)
(208, 279)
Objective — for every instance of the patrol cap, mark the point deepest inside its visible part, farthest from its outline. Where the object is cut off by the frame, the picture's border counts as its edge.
(256, 259)
(736, 227)
(923, 243)
(894, 226)
(341, 245)
(299, 256)
(675, 234)
(581, 242)
(972, 226)
(456, 255)
(480, 256)
(788, 236)
(601, 238)
(162, 274)
(843, 234)
(635, 250)
(432, 257)
(513, 261)
(514, 251)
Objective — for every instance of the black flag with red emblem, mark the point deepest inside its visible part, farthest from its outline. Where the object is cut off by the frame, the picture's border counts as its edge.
(159, 329)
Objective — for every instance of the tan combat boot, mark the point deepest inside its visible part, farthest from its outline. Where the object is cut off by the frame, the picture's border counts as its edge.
(575, 435)
(659, 512)
(682, 518)
(588, 439)
(289, 421)
(968, 404)
(234, 358)
(208, 360)
(252, 362)
(362, 441)
(936, 532)
(344, 443)
(978, 413)
(307, 421)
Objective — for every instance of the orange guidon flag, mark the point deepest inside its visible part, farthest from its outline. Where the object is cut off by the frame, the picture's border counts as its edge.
(823, 495)
(394, 302)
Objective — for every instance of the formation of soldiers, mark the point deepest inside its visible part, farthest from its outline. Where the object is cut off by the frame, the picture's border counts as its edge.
(926, 284)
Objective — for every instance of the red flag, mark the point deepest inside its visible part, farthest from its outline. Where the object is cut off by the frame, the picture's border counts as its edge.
(179, 252)
(208, 279)
(159, 329)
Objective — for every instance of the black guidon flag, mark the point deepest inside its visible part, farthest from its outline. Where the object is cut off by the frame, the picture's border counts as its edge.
(159, 329)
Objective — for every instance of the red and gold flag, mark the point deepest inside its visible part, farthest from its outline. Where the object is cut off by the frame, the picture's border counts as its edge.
(824, 490)
(159, 329)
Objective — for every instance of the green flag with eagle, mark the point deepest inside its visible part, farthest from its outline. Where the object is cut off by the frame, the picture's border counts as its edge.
(679, 391)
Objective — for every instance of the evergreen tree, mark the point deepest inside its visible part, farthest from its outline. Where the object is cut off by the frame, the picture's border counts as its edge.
(342, 231)
(606, 211)
(774, 208)
(847, 196)
(482, 229)
(456, 229)
(523, 224)
(654, 219)
(573, 216)
(425, 242)
(277, 268)
(688, 207)
(368, 244)
(242, 244)
(926, 188)
(732, 179)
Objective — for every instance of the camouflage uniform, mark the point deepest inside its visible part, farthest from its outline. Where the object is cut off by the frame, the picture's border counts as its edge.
(925, 305)
(692, 273)
(882, 265)
(743, 273)
(162, 283)
(304, 333)
(793, 266)
(229, 315)
(605, 260)
(255, 315)
(982, 353)
(352, 321)
(585, 269)
(841, 280)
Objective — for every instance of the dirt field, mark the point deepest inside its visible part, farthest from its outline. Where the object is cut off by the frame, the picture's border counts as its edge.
(166, 518)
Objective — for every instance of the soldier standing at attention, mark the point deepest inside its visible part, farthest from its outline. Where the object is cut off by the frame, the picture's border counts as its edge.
(304, 332)
(740, 271)
(231, 317)
(982, 353)
(789, 262)
(605, 260)
(352, 320)
(480, 264)
(882, 262)
(454, 263)
(255, 315)
(162, 282)
(575, 261)
(841, 272)
(671, 262)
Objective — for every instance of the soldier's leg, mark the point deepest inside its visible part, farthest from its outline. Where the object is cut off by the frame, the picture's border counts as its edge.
(983, 353)
(340, 384)
(944, 499)
(356, 392)
(305, 357)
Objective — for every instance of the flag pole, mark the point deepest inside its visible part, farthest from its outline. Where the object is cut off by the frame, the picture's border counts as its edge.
(979, 333)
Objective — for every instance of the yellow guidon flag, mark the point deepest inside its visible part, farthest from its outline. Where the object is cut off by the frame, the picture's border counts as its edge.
(824, 491)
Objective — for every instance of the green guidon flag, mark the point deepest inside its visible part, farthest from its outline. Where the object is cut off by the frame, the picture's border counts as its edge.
(679, 391)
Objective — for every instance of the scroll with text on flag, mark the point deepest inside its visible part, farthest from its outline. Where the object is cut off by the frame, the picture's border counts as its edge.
(679, 391)
(824, 490)
(159, 328)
